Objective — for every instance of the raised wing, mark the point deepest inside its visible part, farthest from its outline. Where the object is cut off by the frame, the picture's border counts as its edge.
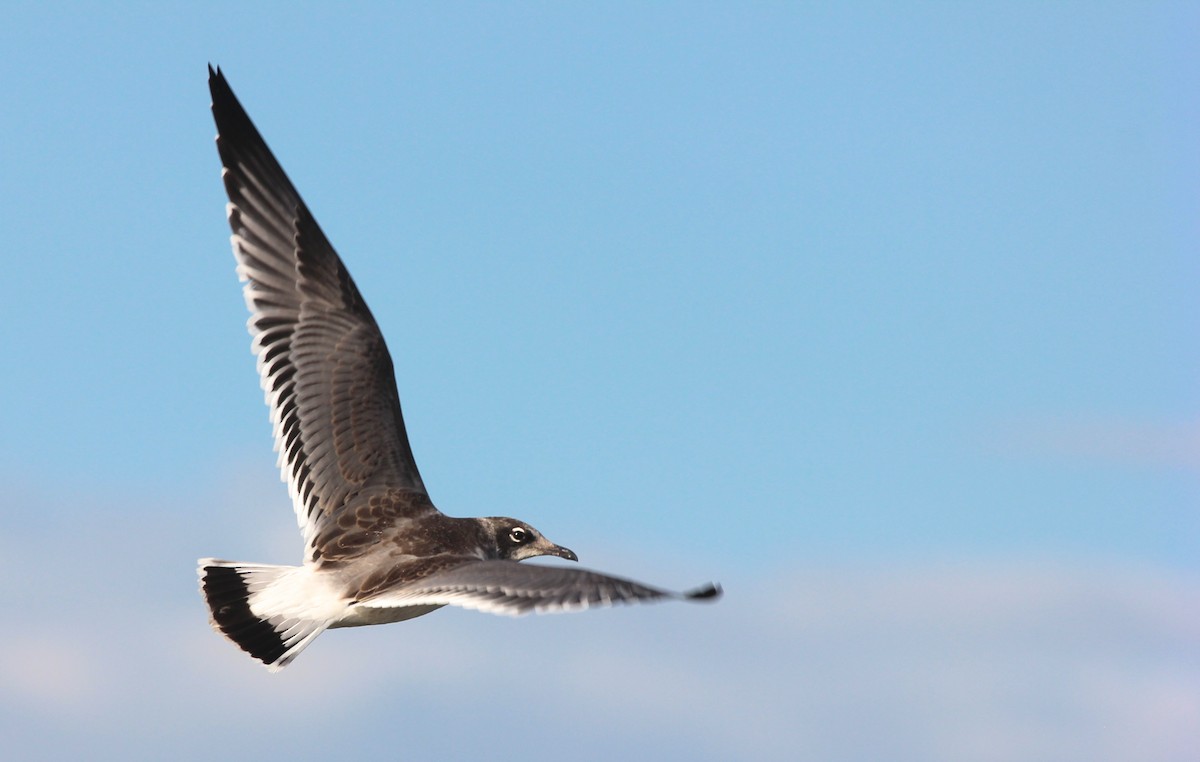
(325, 369)
(508, 587)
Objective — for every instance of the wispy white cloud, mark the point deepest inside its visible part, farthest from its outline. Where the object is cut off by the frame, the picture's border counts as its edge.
(1172, 444)
(966, 661)
(50, 671)
(105, 651)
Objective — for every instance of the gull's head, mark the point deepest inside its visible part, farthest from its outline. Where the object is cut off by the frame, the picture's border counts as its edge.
(516, 540)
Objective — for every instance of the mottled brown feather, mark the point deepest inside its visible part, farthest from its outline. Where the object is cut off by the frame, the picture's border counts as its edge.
(325, 367)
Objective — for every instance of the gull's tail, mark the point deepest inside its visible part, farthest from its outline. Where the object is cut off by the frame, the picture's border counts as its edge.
(270, 612)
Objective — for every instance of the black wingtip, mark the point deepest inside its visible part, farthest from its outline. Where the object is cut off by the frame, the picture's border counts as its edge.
(709, 592)
(221, 92)
(237, 137)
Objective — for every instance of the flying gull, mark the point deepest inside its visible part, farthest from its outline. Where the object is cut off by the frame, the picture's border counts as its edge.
(376, 548)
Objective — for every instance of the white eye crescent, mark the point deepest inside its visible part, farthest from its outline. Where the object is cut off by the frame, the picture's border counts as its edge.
(518, 534)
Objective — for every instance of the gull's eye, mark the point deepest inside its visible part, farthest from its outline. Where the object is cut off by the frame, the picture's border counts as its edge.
(518, 535)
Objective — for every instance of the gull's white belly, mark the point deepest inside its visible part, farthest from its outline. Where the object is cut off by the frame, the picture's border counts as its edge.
(359, 616)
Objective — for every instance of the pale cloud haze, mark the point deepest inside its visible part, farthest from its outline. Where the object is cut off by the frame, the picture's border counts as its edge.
(984, 659)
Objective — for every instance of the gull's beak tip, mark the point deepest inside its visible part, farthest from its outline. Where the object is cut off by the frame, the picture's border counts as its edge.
(566, 553)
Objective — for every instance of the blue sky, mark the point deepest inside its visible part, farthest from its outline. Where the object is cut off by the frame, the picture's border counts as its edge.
(882, 315)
